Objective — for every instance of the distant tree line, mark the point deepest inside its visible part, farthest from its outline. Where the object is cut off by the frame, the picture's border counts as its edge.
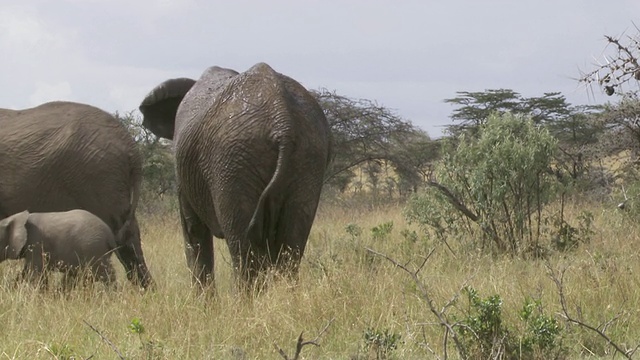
(374, 147)
(381, 155)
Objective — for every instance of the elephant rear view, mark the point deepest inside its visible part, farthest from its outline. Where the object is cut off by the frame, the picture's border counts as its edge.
(61, 156)
(251, 151)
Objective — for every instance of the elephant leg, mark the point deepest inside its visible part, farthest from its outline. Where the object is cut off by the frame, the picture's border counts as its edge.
(104, 272)
(34, 275)
(129, 252)
(70, 278)
(250, 257)
(248, 262)
(35, 269)
(294, 226)
(198, 243)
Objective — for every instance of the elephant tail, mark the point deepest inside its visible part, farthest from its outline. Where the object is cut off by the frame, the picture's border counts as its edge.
(263, 225)
(135, 177)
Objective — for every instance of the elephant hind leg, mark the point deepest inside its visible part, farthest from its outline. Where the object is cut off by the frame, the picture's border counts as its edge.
(70, 278)
(250, 263)
(104, 272)
(129, 252)
(294, 225)
(35, 270)
(198, 243)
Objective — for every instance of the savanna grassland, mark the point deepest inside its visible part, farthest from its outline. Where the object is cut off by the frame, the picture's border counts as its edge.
(374, 310)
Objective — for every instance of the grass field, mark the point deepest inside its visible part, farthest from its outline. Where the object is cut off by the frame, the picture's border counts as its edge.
(358, 294)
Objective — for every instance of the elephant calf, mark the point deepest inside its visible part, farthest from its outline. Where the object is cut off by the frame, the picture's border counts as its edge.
(67, 241)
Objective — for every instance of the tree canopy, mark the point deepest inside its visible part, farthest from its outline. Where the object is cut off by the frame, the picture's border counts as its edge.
(474, 108)
(366, 132)
(573, 126)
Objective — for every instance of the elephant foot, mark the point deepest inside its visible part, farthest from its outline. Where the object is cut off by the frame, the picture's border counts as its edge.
(147, 282)
(141, 279)
(203, 280)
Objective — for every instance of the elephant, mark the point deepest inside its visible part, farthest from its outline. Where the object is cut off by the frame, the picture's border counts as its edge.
(61, 156)
(68, 241)
(251, 150)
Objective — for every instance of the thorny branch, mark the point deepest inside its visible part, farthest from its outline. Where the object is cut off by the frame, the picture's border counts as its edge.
(617, 69)
(558, 279)
(301, 343)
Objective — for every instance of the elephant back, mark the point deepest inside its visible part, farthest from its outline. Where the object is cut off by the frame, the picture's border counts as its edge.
(202, 96)
(62, 155)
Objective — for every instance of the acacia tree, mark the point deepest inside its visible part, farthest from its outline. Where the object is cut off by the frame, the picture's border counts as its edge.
(619, 73)
(474, 108)
(414, 161)
(366, 136)
(573, 126)
(621, 136)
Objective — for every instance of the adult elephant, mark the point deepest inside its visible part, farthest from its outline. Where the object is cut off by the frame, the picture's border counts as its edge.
(251, 150)
(61, 156)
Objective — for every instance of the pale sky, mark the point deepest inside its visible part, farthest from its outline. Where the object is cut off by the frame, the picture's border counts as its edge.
(407, 55)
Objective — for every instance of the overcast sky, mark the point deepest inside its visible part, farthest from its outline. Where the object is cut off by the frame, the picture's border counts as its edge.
(406, 55)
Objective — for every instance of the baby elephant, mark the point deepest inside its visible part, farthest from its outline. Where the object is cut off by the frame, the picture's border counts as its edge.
(68, 241)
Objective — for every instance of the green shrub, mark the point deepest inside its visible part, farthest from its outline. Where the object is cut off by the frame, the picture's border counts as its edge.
(490, 190)
(354, 230)
(542, 331)
(485, 335)
(382, 231)
(481, 329)
(380, 343)
(152, 349)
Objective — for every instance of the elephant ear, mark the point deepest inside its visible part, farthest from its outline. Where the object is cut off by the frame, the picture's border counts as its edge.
(159, 107)
(14, 230)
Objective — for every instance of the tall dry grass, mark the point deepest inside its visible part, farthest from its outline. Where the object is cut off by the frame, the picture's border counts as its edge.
(339, 281)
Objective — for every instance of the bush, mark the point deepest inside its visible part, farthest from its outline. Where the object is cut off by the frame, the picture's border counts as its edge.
(542, 333)
(380, 343)
(485, 335)
(382, 231)
(482, 330)
(158, 192)
(492, 187)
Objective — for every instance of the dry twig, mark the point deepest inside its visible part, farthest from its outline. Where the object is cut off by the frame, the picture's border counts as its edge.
(301, 343)
(440, 314)
(106, 340)
(558, 279)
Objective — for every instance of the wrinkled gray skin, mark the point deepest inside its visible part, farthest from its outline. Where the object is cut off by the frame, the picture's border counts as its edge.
(67, 241)
(251, 150)
(61, 156)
